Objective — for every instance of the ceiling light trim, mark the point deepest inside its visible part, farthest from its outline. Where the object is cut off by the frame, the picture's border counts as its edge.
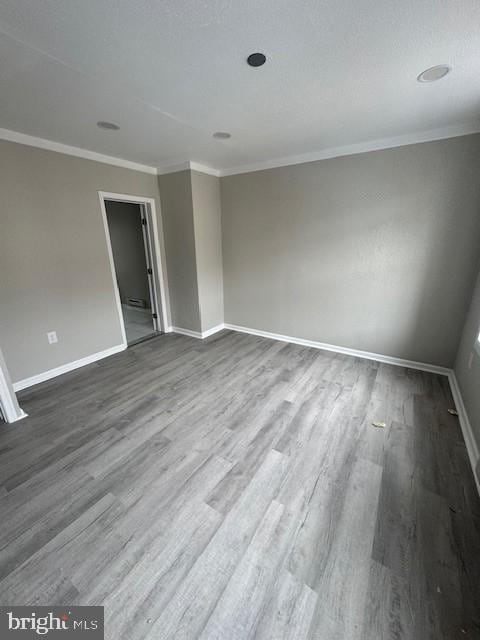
(357, 148)
(78, 152)
(425, 76)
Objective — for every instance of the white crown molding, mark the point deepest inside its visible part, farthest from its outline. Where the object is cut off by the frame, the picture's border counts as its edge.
(173, 168)
(361, 147)
(58, 147)
(201, 168)
(65, 368)
(189, 166)
(325, 154)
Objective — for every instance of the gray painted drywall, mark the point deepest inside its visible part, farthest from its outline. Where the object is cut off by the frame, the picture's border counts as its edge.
(192, 226)
(54, 267)
(376, 251)
(126, 237)
(208, 247)
(467, 365)
(366, 251)
(177, 212)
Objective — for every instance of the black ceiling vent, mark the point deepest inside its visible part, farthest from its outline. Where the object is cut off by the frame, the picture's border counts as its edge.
(256, 59)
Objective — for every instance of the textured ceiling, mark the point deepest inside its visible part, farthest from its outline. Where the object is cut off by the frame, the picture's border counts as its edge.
(171, 72)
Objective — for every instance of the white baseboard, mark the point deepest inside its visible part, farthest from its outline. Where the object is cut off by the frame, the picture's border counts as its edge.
(18, 417)
(65, 368)
(10, 410)
(197, 334)
(467, 431)
(399, 362)
(470, 442)
(210, 332)
(187, 332)
(76, 364)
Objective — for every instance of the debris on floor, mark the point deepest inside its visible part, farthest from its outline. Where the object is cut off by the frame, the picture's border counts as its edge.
(380, 425)
(453, 412)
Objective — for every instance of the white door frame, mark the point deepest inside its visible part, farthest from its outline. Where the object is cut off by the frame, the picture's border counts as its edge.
(8, 400)
(159, 279)
(150, 263)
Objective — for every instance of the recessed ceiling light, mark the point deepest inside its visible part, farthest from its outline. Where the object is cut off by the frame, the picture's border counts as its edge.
(434, 73)
(110, 126)
(256, 59)
(222, 135)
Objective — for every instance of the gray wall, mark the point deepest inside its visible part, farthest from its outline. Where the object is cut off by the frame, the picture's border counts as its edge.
(192, 224)
(177, 212)
(469, 377)
(54, 267)
(376, 251)
(208, 245)
(126, 236)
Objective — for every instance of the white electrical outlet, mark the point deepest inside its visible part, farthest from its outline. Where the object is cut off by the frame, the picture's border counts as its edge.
(52, 337)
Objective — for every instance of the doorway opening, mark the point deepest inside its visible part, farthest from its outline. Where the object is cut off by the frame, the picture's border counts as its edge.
(132, 241)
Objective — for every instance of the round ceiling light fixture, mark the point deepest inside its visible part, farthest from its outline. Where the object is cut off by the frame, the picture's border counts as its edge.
(434, 73)
(256, 59)
(109, 126)
(222, 135)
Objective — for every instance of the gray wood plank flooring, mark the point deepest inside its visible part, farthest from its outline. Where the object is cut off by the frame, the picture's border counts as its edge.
(235, 488)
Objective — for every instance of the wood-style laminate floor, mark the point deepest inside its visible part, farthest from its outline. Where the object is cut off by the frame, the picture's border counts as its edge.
(236, 488)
